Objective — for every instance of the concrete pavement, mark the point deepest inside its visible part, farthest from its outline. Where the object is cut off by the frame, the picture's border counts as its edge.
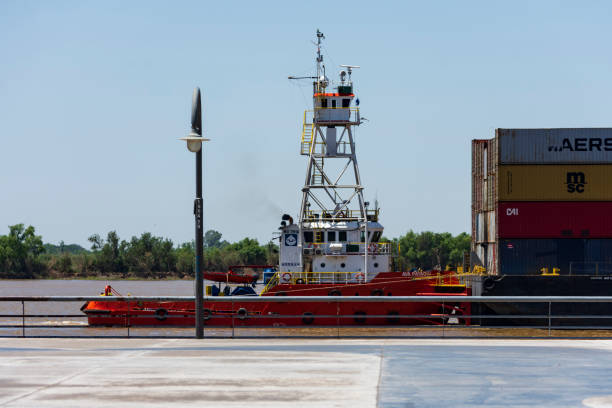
(305, 373)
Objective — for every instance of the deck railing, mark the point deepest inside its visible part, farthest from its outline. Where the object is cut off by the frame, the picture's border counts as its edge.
(18, 321)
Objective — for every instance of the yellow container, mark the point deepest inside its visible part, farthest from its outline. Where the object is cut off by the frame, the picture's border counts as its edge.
(555, 182)
(208, 290)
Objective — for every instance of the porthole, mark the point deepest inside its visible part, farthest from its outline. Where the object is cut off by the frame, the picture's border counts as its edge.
(322, 264)
(376, 264)
(342, 265)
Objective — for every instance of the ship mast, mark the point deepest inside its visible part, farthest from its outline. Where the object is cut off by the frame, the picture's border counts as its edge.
(332, 192)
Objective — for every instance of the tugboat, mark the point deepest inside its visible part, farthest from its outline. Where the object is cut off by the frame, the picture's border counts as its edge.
(334, 249)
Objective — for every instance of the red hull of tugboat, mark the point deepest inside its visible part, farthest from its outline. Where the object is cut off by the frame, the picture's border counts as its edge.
(316, 313)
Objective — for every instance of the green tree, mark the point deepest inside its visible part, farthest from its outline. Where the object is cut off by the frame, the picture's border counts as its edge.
(148, 254)
(185, 259)
(64, 264)
(427, 250)
(212, 239)
(19, 252)
(96, 242)
(108, 257)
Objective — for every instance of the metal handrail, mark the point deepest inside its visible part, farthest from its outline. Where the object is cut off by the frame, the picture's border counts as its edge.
(441, 320)
(344, 214)
(375, 248)
(341, 299)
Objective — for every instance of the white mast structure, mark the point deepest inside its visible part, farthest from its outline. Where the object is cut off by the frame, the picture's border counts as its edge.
(332, 194)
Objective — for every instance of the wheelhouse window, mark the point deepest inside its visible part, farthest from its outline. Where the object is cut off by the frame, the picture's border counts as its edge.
(324, 103)
(346, 103)
(370, 238)
(331, 236)
(308, 236)
(342, 236)
(333, 101)
(376, 236)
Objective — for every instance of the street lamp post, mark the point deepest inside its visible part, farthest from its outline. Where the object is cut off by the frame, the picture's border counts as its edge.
(194, 144)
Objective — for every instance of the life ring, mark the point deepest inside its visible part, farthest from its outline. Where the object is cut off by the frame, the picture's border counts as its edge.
(307, 318)
(372, 248)
(161, 314)
(334, 292)
(206, 314)
(359, 316)
(286, 277)
(377, 292)
(488, 284)
(360, 277)
(392, 317)
(242, 313)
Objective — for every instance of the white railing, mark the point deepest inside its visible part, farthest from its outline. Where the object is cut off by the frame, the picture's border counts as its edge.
(333, 248)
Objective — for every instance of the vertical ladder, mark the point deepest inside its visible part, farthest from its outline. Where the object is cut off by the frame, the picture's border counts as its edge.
(317, 176)
(307, 136)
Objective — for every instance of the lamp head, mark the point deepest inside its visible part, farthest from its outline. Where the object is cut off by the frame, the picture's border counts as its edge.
(194, 139)
(194, 142)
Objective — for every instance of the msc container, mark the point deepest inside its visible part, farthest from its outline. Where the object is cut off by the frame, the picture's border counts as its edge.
(541, 146)
(572, 256)
(555, 182)
(522, 219)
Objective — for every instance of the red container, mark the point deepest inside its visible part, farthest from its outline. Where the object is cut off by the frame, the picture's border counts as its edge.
(569, 219)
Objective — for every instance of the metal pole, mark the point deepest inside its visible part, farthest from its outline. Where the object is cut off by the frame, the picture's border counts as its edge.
(365, 257)
(196, 127)
(443, 318)
(549, 317)
(128, 319)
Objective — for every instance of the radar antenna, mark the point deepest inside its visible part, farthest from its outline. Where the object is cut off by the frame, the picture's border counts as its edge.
(349, 68)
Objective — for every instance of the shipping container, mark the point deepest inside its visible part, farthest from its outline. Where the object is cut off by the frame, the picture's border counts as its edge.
(555, 182)
(571, 256)
(526, 219)
(541, 146)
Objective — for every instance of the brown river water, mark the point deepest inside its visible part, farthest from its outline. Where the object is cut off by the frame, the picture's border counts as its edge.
(77, 326)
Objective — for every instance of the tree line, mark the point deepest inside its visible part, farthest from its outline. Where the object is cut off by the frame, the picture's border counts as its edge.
(428, 250)
(23, 255)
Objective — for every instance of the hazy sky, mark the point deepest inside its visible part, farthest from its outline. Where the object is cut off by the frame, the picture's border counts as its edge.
(93, 96)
